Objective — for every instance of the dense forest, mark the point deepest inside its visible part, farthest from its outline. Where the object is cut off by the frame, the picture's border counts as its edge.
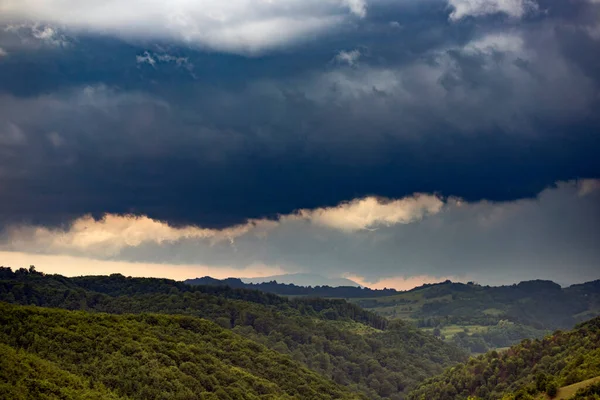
(51, 353)
(480, 318)
(336, 339)
(448, 302)
(473, 317)
(117, 337)
(522, 372)
(538, 304)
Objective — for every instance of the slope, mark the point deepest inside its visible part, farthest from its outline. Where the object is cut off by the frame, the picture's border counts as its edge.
(336, 339)
(524, 370)
(148, 356)
(482, 317)
(26, 376)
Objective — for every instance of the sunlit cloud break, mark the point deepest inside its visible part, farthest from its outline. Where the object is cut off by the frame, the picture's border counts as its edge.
(377, 241)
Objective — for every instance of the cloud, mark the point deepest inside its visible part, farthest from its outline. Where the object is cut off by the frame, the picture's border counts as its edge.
(370, 212)
(588, 186)
(146, 58)
(11, 135)
(49, 35)
(240, 26)
(106, 237)
(153, 59)
(403, 283)
(415, 237)
(478, 8)
(358, 7)
(35, 34)
(3, 52)
(348, 57)
(498, 43)
(456, 109)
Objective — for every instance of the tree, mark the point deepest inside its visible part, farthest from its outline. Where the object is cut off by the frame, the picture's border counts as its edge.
(551, 389)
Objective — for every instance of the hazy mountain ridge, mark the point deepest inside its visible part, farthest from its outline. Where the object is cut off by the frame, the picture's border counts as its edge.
(290, 289)
(303, 279)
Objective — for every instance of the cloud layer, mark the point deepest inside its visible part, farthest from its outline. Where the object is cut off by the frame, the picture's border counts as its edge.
(241, 26)
(372, 240)
(477, 8)
(299, 134)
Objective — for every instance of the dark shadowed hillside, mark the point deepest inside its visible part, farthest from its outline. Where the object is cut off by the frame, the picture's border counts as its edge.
(291, 289)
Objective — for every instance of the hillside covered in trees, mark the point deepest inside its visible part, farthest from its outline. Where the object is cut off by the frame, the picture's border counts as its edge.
(338, 340)
(473, 317)
(525, 371)
(539, 304)
(74, 354)
(479, 318)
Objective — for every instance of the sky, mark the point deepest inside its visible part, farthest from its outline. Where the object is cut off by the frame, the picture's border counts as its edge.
(390, 142)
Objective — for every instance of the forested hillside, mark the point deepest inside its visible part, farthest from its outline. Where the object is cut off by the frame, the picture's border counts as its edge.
(524, 371)
(479, 318)
(26, 376)
(144, 356)
(473, 317)
(338, 340)
(539, 304)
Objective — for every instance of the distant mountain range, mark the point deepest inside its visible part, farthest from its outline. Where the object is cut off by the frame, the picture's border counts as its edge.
(353, 290)
(303, 279)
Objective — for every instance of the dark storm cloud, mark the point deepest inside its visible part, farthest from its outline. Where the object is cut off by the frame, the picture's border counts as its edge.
(483, 107)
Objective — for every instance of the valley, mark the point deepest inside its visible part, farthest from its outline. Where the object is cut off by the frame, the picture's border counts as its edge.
(474, 317)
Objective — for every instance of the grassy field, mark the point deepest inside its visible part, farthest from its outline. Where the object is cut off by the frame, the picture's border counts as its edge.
(450, 330)
(566, 392)
(351, 326)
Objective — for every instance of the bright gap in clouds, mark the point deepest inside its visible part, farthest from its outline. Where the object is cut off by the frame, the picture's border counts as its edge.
(404, 283)
(378, 243)
(78, 266)
(477, 8)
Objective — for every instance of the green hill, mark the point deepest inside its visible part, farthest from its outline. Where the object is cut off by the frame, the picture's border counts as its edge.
(523, 371)
(479, 318)
(150, 356)
(26, 376)
(338, 340)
